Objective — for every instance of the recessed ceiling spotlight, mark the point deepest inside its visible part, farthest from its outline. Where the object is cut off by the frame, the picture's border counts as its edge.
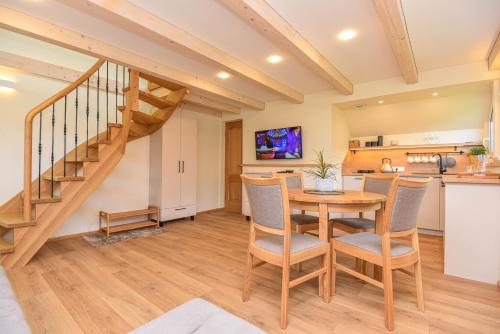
(435, 94)
(223, 75)
(274, 59)
(380, 101)
(347, 34)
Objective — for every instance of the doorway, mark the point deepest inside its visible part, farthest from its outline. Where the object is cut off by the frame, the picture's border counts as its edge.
(233, 168)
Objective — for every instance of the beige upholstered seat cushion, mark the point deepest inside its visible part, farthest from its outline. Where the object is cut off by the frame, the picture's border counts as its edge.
(355, 222)
(373, 243)
(299, 243)
(302, 219)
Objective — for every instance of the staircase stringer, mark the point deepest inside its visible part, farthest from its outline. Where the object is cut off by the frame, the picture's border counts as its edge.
(30, 239)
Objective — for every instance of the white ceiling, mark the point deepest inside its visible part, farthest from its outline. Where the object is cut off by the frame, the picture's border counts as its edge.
(451, 32)
(455, 108)
(442, 32)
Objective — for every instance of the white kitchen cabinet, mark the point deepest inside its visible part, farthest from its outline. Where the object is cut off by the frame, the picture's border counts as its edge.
(353, 182)
(173, 171)
(430, 214)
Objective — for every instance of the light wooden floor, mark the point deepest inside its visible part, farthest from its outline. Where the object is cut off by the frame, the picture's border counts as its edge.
(71, 287)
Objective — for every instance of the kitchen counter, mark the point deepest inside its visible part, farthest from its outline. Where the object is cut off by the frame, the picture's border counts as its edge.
(472, 179)
(472, 228)
(400, 174)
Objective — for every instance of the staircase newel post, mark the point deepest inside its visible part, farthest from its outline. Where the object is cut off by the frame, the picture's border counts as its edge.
(28, 142)
(131, 104)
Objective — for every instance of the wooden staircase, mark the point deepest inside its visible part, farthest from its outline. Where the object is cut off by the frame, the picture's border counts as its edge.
(29, 218)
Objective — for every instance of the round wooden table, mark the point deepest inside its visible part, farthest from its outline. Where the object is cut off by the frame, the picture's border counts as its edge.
(350, 201)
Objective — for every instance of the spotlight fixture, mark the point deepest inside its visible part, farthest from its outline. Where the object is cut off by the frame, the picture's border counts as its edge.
(347, 34)
(274, 59)
(223, 75)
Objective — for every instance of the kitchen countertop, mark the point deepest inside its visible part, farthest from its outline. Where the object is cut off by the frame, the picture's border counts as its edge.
(471, 179)
(400, 174)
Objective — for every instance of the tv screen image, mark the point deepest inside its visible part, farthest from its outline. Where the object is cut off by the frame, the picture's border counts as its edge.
(284, 143)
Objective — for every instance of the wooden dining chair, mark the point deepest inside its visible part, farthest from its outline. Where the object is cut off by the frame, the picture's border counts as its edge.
(374, 183)
(301, 222)
(400, 220)
(270, 213)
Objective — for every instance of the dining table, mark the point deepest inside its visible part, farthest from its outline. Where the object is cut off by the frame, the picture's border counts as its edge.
(345, 201)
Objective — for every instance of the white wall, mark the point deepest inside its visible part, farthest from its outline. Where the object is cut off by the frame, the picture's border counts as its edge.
(210, 159)
(461, 111)
(126, 188)
(323, 127)
(314, 115)
(432, 137)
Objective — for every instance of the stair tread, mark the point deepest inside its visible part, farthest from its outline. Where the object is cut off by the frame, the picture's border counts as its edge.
(100, 142)
(152, 99)
(79, 160)
(146, 119)
(115, 125)
(161, 82)
(5, 246)
(61, 178)
(13, 220)
(45, 199)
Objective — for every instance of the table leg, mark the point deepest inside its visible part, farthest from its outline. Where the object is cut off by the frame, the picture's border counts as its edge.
(379, 229)
(323, 235)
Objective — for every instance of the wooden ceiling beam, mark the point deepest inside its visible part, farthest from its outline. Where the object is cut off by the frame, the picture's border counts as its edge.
(171, 36)
(494, 56)
(202, 109)
(199, 100)
(61, 73)
(21, 23)
(391, 16)
(260, 15)
(48, 70)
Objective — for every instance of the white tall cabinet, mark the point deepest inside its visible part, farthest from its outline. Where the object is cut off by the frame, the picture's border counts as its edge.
(173, 166)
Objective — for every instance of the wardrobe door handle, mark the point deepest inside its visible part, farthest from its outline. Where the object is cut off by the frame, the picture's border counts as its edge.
(178, 166)
(182, 166)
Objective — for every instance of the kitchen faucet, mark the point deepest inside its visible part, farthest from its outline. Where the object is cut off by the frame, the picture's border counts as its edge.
(442, 166)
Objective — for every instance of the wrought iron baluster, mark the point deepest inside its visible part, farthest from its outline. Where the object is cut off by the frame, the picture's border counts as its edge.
(87, 114)
(98, 91)
(40, 156)
(123, 85)
(52, 153)
(65, 133)
(107, 100)
(76, 132)
(116, 93)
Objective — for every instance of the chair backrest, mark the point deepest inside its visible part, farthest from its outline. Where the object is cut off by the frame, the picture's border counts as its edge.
(380, 183)
(293, 180)
(403, 203)
(268, 200)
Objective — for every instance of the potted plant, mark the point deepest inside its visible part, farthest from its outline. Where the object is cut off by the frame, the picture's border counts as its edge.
(324, 172)
(478, 157)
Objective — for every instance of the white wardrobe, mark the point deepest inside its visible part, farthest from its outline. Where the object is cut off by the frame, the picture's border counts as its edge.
(173, 166)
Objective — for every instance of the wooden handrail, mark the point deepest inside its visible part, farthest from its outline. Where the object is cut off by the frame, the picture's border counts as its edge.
(28, 133)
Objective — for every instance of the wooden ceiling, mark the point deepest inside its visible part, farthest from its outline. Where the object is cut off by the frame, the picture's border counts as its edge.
(189, 41)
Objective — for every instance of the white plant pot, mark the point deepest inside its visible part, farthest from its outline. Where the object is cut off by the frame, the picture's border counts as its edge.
(324, 184)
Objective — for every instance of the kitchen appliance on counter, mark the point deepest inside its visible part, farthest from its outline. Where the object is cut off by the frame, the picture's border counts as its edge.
(365, 171)
(386, 166)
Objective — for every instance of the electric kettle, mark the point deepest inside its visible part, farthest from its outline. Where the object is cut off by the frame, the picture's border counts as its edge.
(386, 167)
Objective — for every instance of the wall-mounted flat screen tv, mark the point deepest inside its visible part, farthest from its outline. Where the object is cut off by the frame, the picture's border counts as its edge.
(284, 143)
